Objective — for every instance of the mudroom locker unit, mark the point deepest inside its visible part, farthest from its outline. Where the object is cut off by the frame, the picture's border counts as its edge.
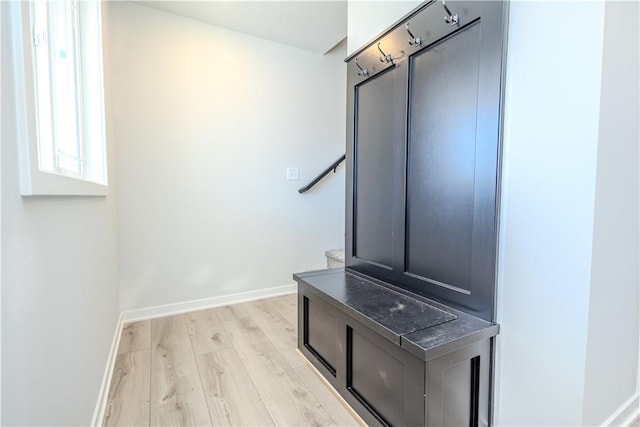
(405, 332)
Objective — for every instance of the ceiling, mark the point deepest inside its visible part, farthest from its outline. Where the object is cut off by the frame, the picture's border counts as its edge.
(316, 26)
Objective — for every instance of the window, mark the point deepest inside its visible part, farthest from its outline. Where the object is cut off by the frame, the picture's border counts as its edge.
(58, 52)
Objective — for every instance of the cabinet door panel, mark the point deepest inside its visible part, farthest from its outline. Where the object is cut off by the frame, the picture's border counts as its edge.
(380, 129)
(384, 379)
(378, 379)
(441, 165)
(320, 334)
(452, 167)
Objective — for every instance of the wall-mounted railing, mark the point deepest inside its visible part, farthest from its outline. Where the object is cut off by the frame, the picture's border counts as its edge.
(324, 173)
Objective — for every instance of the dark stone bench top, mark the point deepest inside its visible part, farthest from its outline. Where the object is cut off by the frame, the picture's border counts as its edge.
(424, 327)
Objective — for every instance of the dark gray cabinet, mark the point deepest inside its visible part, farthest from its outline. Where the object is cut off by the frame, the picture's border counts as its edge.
(405, 332)
(423, 155)
(396, 359)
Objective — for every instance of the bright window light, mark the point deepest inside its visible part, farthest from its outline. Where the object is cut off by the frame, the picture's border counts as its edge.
(63, 97)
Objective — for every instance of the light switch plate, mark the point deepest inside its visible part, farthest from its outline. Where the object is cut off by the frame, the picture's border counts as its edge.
(292, 174)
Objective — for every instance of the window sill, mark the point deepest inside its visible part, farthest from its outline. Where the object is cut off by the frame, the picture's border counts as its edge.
(33, 181)
(47, 184)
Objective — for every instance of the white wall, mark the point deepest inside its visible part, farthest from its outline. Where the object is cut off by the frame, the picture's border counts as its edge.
(59, 293)
(549, 171)
(206, 122)
(612, 351)
(367, 19)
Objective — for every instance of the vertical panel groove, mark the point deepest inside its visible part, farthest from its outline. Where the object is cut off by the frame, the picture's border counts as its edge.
(474, 392)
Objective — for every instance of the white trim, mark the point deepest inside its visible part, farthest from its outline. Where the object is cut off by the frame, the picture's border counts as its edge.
(168, 310)
(103, 394)
(1, 83)
(201, 304)
(33, 181)
(626, 414)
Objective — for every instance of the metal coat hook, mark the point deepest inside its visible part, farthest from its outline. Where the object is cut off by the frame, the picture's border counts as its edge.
(385, 58)
(450, 19)
(363, 71)
(413, 41)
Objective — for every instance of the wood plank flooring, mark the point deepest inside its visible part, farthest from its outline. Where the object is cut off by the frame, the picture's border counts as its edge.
(230, 366)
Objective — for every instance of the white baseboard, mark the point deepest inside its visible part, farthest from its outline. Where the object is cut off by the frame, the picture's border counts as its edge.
(168, 310)
(103, 394)
(201, 304)
(626, 414)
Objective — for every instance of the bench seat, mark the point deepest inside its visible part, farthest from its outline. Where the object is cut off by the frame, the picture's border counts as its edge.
(395, 357)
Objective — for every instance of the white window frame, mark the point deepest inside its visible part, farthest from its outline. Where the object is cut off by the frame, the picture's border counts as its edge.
(33, 180)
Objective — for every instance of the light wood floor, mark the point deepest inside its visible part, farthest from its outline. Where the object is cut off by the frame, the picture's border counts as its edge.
(234, 365)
